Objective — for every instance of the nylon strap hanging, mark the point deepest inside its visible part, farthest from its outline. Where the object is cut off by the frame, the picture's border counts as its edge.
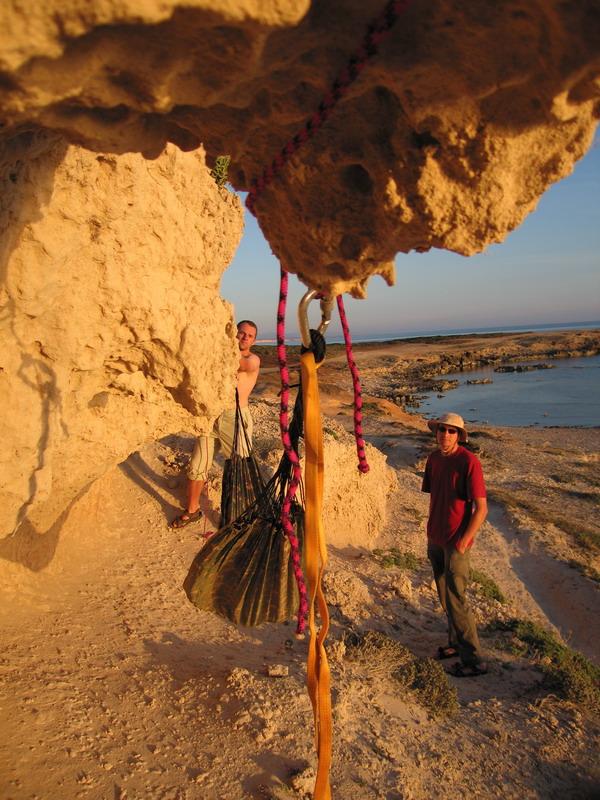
(315, 551)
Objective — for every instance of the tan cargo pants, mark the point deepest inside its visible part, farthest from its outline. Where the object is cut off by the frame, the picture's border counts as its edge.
(221, 434)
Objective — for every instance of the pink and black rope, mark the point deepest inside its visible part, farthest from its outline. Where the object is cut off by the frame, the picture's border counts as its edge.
(363, 465)
(376, 32)
(286, 508)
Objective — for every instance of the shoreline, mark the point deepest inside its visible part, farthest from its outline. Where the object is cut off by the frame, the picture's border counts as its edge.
(398, 372)
(420, 335)
(588, 346)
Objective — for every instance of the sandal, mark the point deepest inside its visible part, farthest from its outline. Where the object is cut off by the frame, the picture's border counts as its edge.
(468, 670)
(184, 519)
(446, 652)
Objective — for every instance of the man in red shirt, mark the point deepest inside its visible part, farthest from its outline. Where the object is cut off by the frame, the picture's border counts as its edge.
(457, 509)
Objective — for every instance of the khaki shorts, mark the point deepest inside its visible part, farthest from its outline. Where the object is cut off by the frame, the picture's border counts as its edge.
(221, 434)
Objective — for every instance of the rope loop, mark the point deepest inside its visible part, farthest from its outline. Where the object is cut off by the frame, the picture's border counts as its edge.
(318, 346)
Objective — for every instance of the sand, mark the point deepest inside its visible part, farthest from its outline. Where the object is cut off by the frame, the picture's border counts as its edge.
(114, 686)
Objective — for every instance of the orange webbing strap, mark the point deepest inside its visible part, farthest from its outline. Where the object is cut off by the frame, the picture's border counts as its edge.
(315, 559)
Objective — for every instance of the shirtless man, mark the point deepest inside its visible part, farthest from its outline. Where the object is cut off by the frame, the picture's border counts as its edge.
(224, 427)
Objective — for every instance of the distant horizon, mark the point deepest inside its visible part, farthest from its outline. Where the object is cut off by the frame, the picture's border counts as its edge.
(546, 271)
(431, 333)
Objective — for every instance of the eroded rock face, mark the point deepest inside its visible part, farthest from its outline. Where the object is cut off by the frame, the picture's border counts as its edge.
(110, 263)
(354, 503)
(447, 139)
(113, 332)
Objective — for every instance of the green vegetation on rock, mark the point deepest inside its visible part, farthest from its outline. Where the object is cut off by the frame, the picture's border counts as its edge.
(567, 673)
(396, 558)
(431, 686)
(220, 170)
(485, 586)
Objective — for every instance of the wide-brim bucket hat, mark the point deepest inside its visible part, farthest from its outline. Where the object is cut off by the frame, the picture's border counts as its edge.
(454, 420)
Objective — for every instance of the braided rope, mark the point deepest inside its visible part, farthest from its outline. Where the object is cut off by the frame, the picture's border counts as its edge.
(291, 454)
(376, 32)
(363, 465)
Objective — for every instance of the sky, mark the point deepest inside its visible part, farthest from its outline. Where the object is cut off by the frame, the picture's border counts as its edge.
(547, 271)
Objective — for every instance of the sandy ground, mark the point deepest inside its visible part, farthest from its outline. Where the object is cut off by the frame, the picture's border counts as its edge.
(114, 686)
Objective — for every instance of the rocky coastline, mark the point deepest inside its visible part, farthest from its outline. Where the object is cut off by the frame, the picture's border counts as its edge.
(402, 371)
(420, 366)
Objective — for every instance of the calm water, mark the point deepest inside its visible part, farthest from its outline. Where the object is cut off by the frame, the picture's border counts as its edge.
(566, 395)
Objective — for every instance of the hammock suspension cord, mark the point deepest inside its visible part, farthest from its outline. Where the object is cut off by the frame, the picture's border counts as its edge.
(318, 678)
(376, 32)
(286, 521)
(363, 465)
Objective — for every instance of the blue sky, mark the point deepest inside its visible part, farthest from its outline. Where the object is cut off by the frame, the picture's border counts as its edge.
(546, 271)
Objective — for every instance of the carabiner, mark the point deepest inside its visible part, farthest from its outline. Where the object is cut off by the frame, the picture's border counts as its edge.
(303, 324)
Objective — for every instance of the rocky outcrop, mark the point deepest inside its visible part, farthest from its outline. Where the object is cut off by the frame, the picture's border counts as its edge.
(112, 328)
(113, 332)
(451, 133)
(354, 503)
(399, 380)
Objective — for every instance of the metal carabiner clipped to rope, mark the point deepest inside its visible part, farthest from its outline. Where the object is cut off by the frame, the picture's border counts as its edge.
(303, 324)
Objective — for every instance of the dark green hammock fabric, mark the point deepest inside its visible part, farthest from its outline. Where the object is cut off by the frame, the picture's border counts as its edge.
(244, 572)
(242, 484)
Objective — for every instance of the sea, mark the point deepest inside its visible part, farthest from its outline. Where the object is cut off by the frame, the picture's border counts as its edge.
(395, 335)
(568, 395)
(546, 328)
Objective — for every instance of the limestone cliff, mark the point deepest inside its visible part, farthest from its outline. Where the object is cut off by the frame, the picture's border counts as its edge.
(113, 240)
(112, 330)
(451, 133)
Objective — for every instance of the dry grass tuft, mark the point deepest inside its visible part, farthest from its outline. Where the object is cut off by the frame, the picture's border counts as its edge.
(485, 586)
(383, 657)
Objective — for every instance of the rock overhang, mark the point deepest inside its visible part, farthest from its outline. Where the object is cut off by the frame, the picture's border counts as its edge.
(447, 139)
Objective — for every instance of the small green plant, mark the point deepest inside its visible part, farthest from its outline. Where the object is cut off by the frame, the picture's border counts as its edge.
(395, 558)
(370, 405)
(567, 673)
(220, 169)
(485, 586)
(381, 656)
(430, 685)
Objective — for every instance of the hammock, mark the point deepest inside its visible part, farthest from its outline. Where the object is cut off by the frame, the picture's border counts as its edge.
(242, 480)
(245, 572)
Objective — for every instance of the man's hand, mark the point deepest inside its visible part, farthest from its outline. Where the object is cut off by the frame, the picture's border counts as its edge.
(465, 542)
(476, 521)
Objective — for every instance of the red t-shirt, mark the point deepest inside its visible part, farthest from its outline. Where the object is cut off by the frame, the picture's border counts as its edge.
(453, 482)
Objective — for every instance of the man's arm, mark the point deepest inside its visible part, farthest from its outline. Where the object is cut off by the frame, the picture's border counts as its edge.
(477, 519)
(426, 485)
